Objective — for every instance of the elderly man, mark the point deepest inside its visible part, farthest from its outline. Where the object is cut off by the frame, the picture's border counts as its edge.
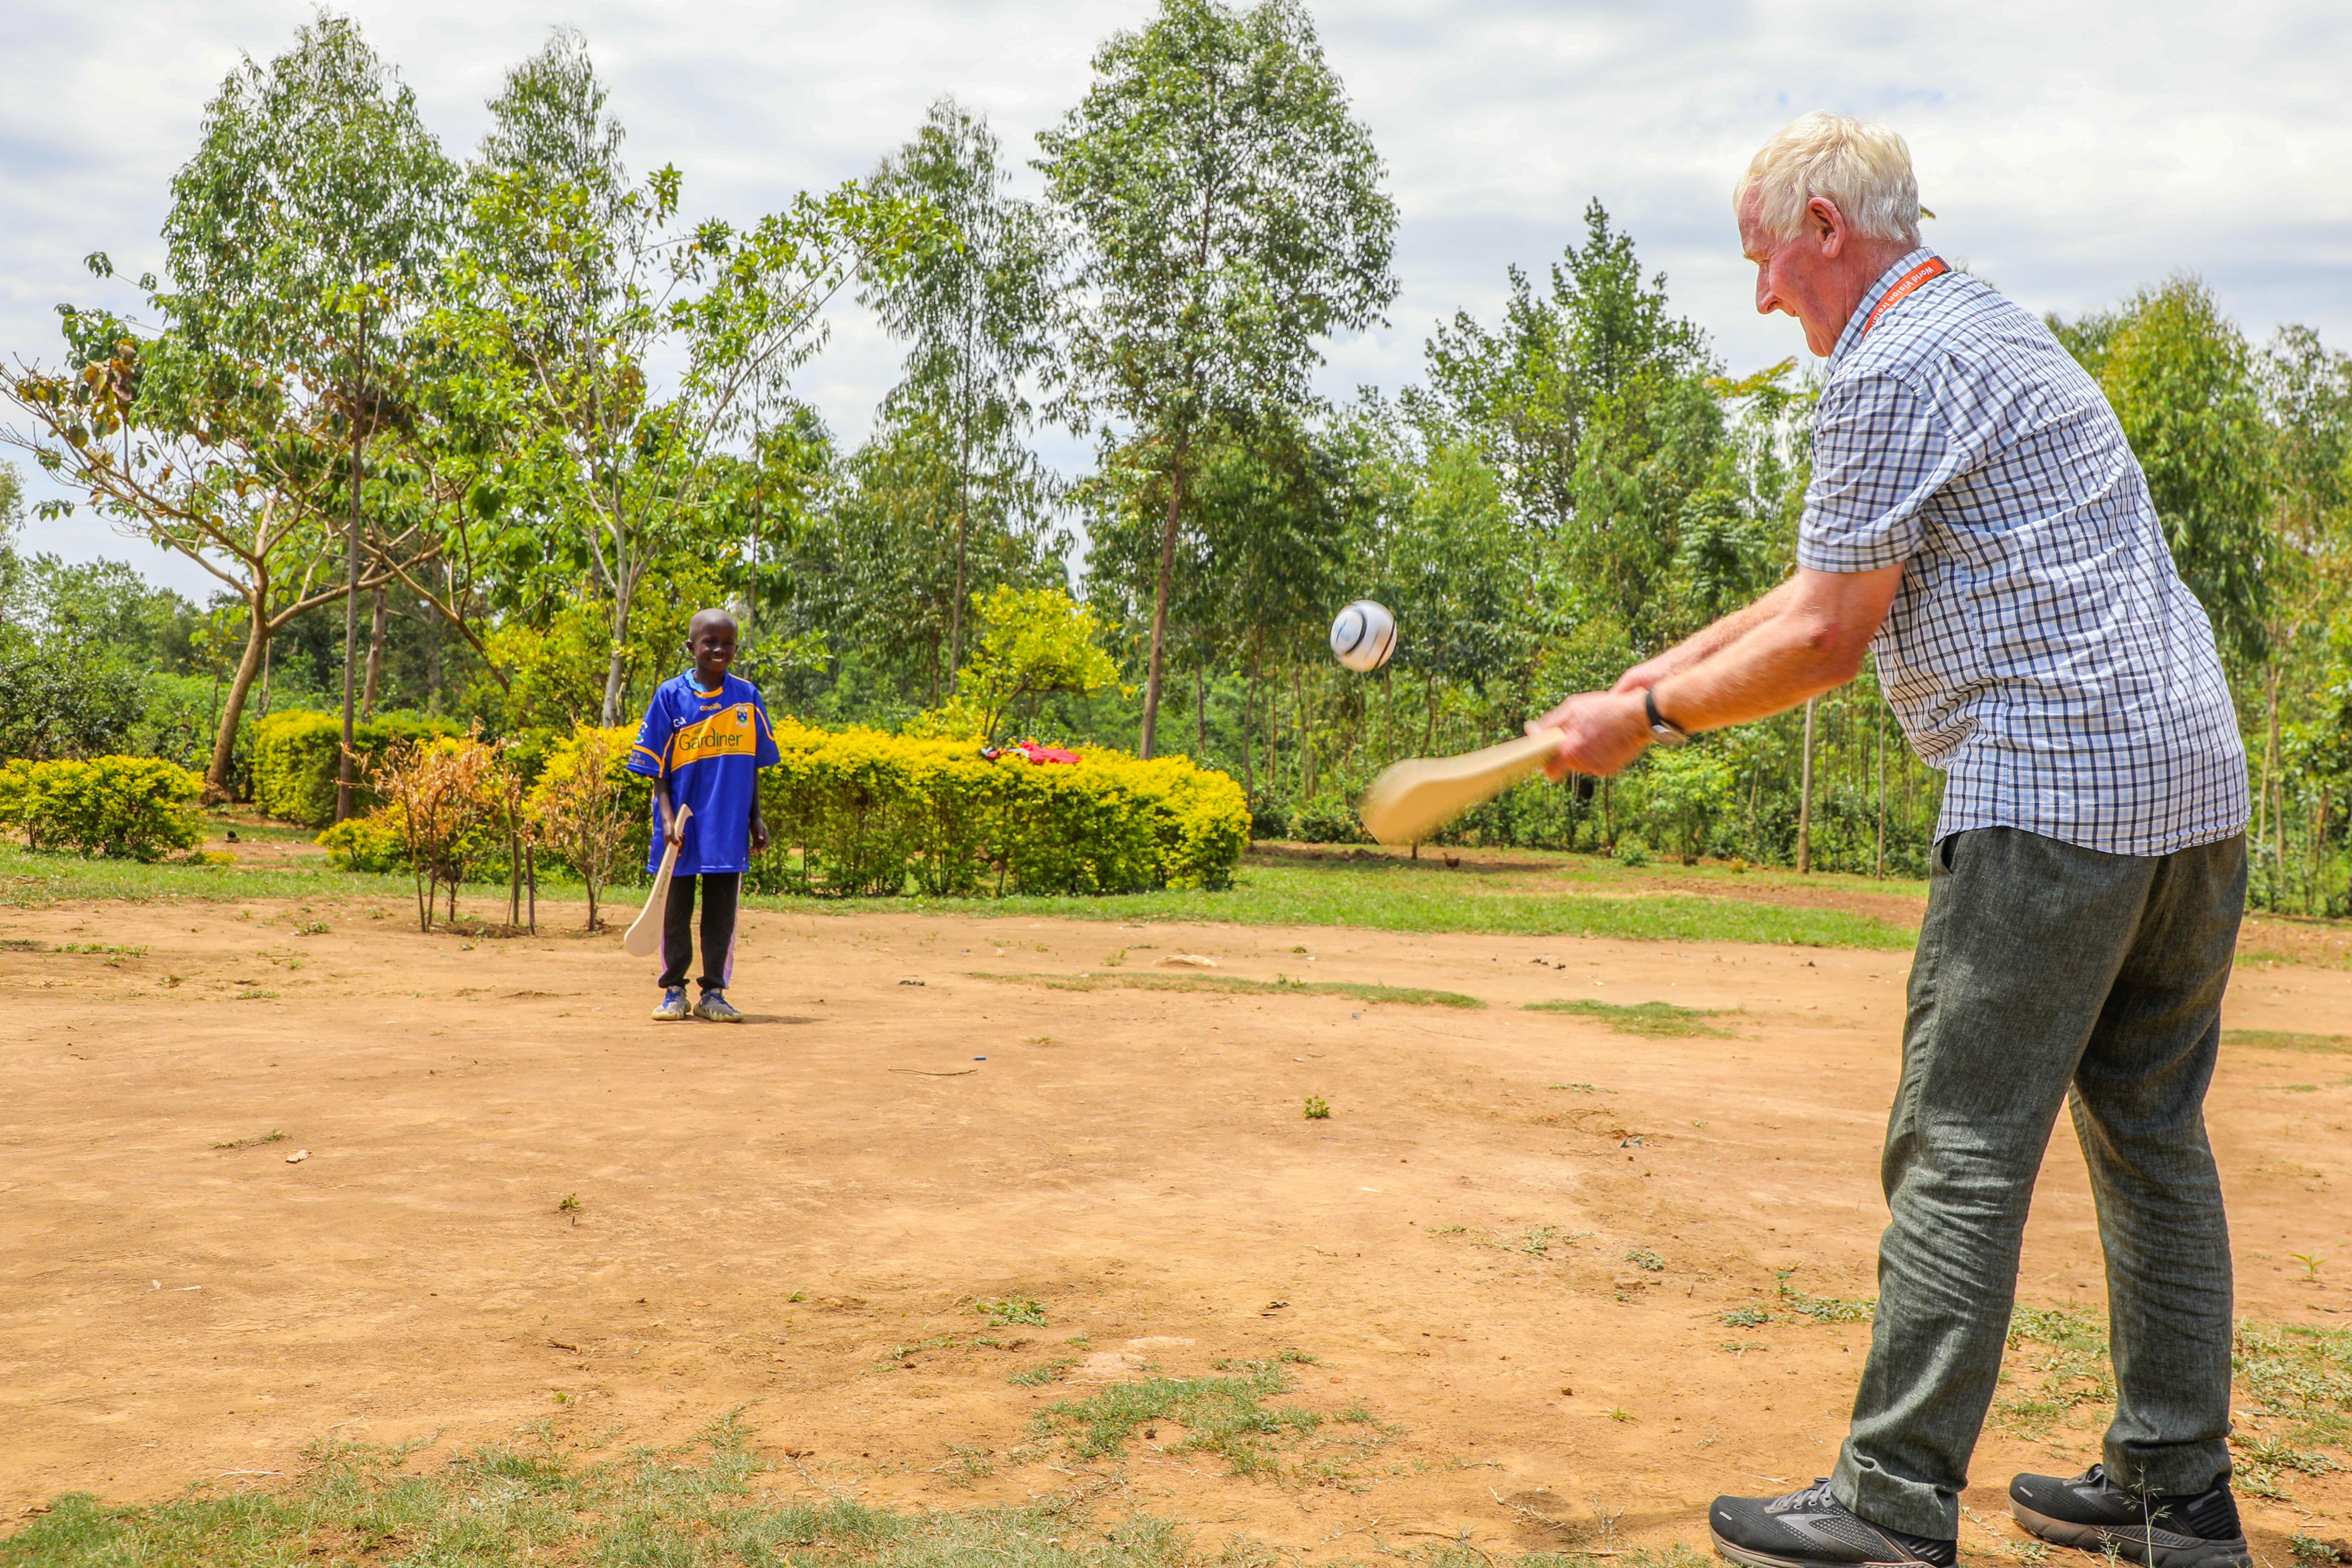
(1977, 519)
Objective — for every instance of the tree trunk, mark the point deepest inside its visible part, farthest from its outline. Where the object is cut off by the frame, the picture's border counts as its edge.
(352, 582)
(1805, 795)
(1200, 714)
(1249, 747)
(1159, 600)
(955, 608)
(224, 736)
(1878, 728)
(1306, 740)
(616, 672)
(378, 625)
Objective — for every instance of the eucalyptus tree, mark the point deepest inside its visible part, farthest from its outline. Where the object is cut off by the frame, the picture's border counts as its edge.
(1590, 401)
(300, 236)
(1230, 215)
(231, 430)
(575, 288)
(979, 318)
(2183, 383)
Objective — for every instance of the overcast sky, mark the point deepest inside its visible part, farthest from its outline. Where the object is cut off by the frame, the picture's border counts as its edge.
(2073, 148)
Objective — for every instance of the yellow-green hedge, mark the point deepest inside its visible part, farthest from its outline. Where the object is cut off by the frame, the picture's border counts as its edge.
(137, 808)
(869, 812)
(298, 758)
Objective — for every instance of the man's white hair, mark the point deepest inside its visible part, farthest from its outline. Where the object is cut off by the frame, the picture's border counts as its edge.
(1864, 169)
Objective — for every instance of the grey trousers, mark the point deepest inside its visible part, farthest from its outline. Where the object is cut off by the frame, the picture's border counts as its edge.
(2049, 972)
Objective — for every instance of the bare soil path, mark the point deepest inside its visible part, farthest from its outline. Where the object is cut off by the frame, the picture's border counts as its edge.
(799, 1215)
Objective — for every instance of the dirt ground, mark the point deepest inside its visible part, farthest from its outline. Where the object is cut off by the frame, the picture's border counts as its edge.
(798, 1214)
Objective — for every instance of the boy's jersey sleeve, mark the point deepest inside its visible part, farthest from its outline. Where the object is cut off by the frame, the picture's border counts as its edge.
(649, 756)
(766, 754)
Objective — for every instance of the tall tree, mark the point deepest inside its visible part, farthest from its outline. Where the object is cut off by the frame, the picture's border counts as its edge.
(2181, 379)
(1231, 213)
(300, 233)
(575, 288)
(979, 318)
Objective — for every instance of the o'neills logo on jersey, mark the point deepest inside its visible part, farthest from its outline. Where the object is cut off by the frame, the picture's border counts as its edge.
(727, 733)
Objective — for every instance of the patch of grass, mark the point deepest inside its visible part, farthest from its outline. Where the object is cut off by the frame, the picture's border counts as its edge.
(272, 1136)
(1825, 1309)
(1409, 995)
(1014, 1312)
(1223, 1416)
(508, 1504)
(2287, 1040)
(1744, 1317)
(1642, 1257)
(109, 949)
(1039, 1376)
(1656, 1018)
(1317, 1107)
(1390, 893)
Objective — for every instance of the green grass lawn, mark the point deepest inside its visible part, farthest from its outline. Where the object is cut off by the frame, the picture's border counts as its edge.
(1377, 893)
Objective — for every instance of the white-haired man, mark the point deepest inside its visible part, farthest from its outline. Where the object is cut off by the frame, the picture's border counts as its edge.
(1976, 518)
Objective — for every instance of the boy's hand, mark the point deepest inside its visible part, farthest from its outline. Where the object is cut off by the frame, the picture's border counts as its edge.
(759, 835)
(674, 829)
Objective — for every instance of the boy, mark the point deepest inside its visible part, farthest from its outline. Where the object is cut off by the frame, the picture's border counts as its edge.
(705, 737)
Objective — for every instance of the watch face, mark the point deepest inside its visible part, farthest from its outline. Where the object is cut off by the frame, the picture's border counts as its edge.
(1666, 735)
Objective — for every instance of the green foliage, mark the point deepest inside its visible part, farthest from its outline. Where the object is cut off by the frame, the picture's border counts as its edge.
(297, 757)
(1033, 642)
(859, 813)
(1012, 1311)
(2181, 380)
(135, 808)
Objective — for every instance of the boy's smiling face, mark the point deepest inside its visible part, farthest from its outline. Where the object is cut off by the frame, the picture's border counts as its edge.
(710, 639)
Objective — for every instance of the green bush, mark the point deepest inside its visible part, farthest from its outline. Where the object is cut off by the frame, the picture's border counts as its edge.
(137, 809)
(297, 757)
(858, 812)
(862, 813)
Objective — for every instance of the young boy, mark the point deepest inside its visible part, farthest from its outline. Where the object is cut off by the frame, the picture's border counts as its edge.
(704, 738)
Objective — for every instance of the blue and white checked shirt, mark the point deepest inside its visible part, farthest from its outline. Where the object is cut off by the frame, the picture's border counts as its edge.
(2042, 649)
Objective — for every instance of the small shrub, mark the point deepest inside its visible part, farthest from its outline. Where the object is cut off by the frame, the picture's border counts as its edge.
(1317, 1107)
(1643, 1258)
(135, 808)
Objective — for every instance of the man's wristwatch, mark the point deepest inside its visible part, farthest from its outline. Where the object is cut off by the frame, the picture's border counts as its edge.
(1663, 731)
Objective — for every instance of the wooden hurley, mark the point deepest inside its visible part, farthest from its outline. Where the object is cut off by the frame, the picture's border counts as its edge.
(1411, 800)
(643, 939)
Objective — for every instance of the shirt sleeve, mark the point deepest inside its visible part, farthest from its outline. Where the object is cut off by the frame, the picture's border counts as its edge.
(766, 754)
(1880, 452)
(648, 756)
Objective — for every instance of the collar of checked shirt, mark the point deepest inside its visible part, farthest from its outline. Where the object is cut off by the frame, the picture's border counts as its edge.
(1857, 325)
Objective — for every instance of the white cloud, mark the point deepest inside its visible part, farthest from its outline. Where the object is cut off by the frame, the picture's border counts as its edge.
(2074, 151)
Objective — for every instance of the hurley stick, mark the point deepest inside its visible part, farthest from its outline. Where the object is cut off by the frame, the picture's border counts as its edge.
(1411, 800)
(643, 939)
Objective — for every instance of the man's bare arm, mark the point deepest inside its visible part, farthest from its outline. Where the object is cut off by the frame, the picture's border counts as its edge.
(1812, 641)
(1706, 641)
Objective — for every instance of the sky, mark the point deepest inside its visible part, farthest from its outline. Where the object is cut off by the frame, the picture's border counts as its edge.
(2073, 150)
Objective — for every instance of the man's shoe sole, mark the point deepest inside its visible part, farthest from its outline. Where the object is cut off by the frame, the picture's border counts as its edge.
(1755, 1559)
(2132, 1542)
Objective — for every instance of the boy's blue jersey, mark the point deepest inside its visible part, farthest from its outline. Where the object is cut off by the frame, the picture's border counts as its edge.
(711, 745)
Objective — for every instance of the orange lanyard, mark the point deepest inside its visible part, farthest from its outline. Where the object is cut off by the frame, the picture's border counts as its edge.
(1928, 270)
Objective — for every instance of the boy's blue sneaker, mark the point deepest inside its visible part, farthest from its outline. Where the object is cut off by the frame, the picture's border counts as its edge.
(673, 1009)
(715, 1007)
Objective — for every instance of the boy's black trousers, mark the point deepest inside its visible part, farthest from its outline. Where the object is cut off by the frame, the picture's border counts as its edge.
(720, 890)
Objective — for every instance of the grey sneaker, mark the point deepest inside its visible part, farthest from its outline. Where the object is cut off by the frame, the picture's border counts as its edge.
(715, 1007)
(1811, 1529)
(673, 1007)
(2162, 1529)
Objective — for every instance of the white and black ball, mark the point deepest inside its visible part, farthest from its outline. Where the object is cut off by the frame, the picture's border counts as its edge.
(1363, 636)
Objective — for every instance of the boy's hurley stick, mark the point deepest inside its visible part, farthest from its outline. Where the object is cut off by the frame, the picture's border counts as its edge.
(1411, 800)
(645, 932)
